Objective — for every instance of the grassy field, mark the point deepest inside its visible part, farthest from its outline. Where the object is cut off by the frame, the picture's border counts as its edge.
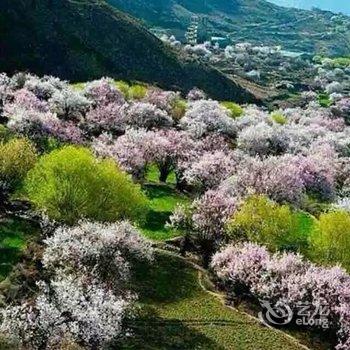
(163, 200)
(177, 314)
(14, 234)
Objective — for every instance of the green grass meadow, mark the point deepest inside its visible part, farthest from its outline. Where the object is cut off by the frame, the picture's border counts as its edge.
(177, 314)
(163, 200)
(14, 235)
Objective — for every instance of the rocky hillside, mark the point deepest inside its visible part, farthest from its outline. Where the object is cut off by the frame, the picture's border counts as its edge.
(257, 21)
(85, 39)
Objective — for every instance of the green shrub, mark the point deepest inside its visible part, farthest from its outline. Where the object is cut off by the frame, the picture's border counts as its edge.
(337, 62)
(341, 62)
(137, 92)
(70, 184)
(179, 108)
(17, 157)
(324, 100)
(133, 92)
(330, 239)
(124, 88)
(78, 86)
(235, 110)
(265, 222)
(278, 118)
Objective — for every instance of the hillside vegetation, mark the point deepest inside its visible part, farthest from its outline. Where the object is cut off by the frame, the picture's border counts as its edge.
(256, 21)
(256, 202)
(86, 39)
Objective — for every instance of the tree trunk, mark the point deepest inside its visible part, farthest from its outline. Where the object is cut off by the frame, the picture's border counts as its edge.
(164, 173)
(181, 184)
(207, 249)
(185, 245)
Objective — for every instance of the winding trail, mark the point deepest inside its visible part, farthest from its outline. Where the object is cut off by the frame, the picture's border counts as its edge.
(204, 276)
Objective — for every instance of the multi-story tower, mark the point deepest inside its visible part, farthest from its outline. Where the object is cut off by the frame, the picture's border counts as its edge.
(192, 31)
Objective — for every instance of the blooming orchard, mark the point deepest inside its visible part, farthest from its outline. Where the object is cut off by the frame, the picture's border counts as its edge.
(221, 155)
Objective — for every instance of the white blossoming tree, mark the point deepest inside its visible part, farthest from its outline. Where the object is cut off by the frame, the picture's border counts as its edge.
(86, 299)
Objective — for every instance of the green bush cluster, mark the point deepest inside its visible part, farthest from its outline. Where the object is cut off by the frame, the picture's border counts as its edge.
(70, 184)
(325, 240)
(235, 110)
(330, 239)
(341, 62)
(265, 222)
(137, 92)
(336, 62)
(179, 107)
(132, 92)
(123, 87)
(324, 100)
(278, 118)
(17, 157)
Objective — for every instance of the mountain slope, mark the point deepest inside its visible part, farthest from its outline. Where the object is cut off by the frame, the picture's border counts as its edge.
(85, 39)
(257, 21)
